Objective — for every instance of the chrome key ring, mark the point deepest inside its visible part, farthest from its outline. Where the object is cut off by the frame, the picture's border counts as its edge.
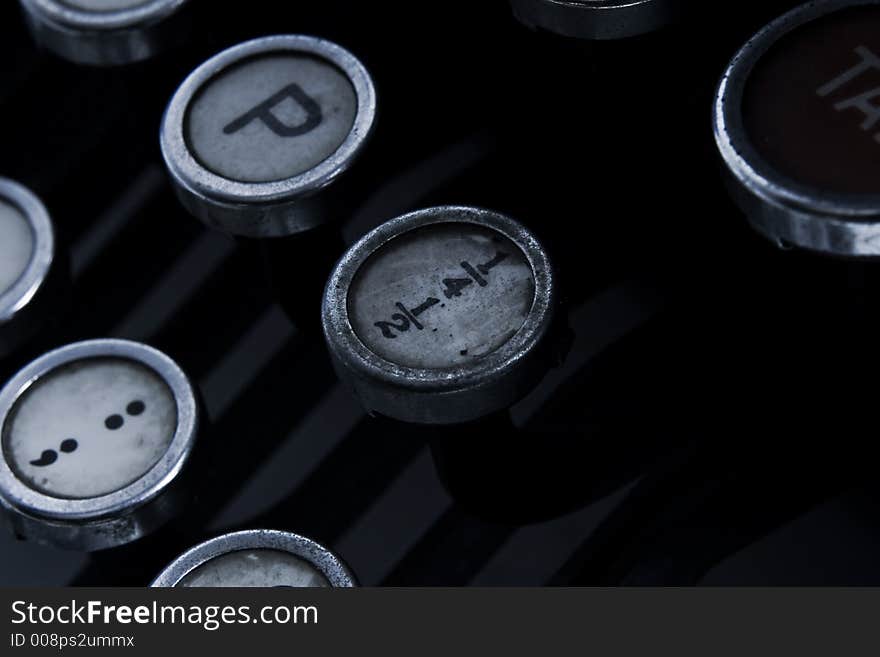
(262, 209)
(66, 14)
(784, 210)
(337, 574)
(452, 394)
(103, 37)
(112, 518)
(597, 19)
(14, 300)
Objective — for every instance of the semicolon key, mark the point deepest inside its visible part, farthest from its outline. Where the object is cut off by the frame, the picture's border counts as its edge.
(96, 435)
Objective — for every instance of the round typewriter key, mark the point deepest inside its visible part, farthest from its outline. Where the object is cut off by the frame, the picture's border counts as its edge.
(94, 434)
(257, 558)
(438, 316)
(27, 253)
(597, 19)
(16, 244)
(253, 133)
(104, 32)
(797, 123)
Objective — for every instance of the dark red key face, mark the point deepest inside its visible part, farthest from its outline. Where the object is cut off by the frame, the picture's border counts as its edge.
(811, 107)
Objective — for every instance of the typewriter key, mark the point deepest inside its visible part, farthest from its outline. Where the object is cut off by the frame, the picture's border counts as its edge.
(439, 316)
(255, 132)
(257, 558)
(104, 32)
(597, 19)
(94, 435)
(27, 255)
(797, 123)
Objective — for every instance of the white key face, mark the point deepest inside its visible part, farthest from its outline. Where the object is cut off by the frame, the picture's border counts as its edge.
(16, 245)
(104, 5)
(253, 569)
(271, 118)
(90, 428)
(441, 296)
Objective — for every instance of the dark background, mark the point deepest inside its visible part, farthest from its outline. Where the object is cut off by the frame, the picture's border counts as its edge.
(712, 423)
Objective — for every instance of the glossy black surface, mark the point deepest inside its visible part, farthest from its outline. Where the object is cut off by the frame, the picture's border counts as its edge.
(710, 424)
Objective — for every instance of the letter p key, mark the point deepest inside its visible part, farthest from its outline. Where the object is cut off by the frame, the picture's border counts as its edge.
(264, 112)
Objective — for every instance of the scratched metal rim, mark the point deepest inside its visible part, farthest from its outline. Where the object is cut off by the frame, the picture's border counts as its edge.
(14, 300)
(66, 15)
(210, 187)
(597, 19)
(17, 495)
(350, 350)
(782, 209)
(331, 566)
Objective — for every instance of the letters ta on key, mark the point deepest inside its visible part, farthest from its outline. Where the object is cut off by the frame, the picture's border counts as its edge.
(263, 112)
(867, 101)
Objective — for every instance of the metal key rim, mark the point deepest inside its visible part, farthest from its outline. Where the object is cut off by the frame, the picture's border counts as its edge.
(98, 21)
(18, 495)
(201, 182)
(794, 212)
(597, 19)
(599, 6)
(330, 566)
(23, 290)
(350, 350)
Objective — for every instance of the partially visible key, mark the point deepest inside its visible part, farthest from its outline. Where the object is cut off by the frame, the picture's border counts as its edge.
(597, 19)
(257, 558)
(797, 125)
(106, 32)
(30, 275)
(95, 437)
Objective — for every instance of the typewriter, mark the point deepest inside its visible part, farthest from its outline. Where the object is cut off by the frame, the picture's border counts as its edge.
(527, 293)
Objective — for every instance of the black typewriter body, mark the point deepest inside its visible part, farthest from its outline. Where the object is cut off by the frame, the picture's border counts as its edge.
(710, 418)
